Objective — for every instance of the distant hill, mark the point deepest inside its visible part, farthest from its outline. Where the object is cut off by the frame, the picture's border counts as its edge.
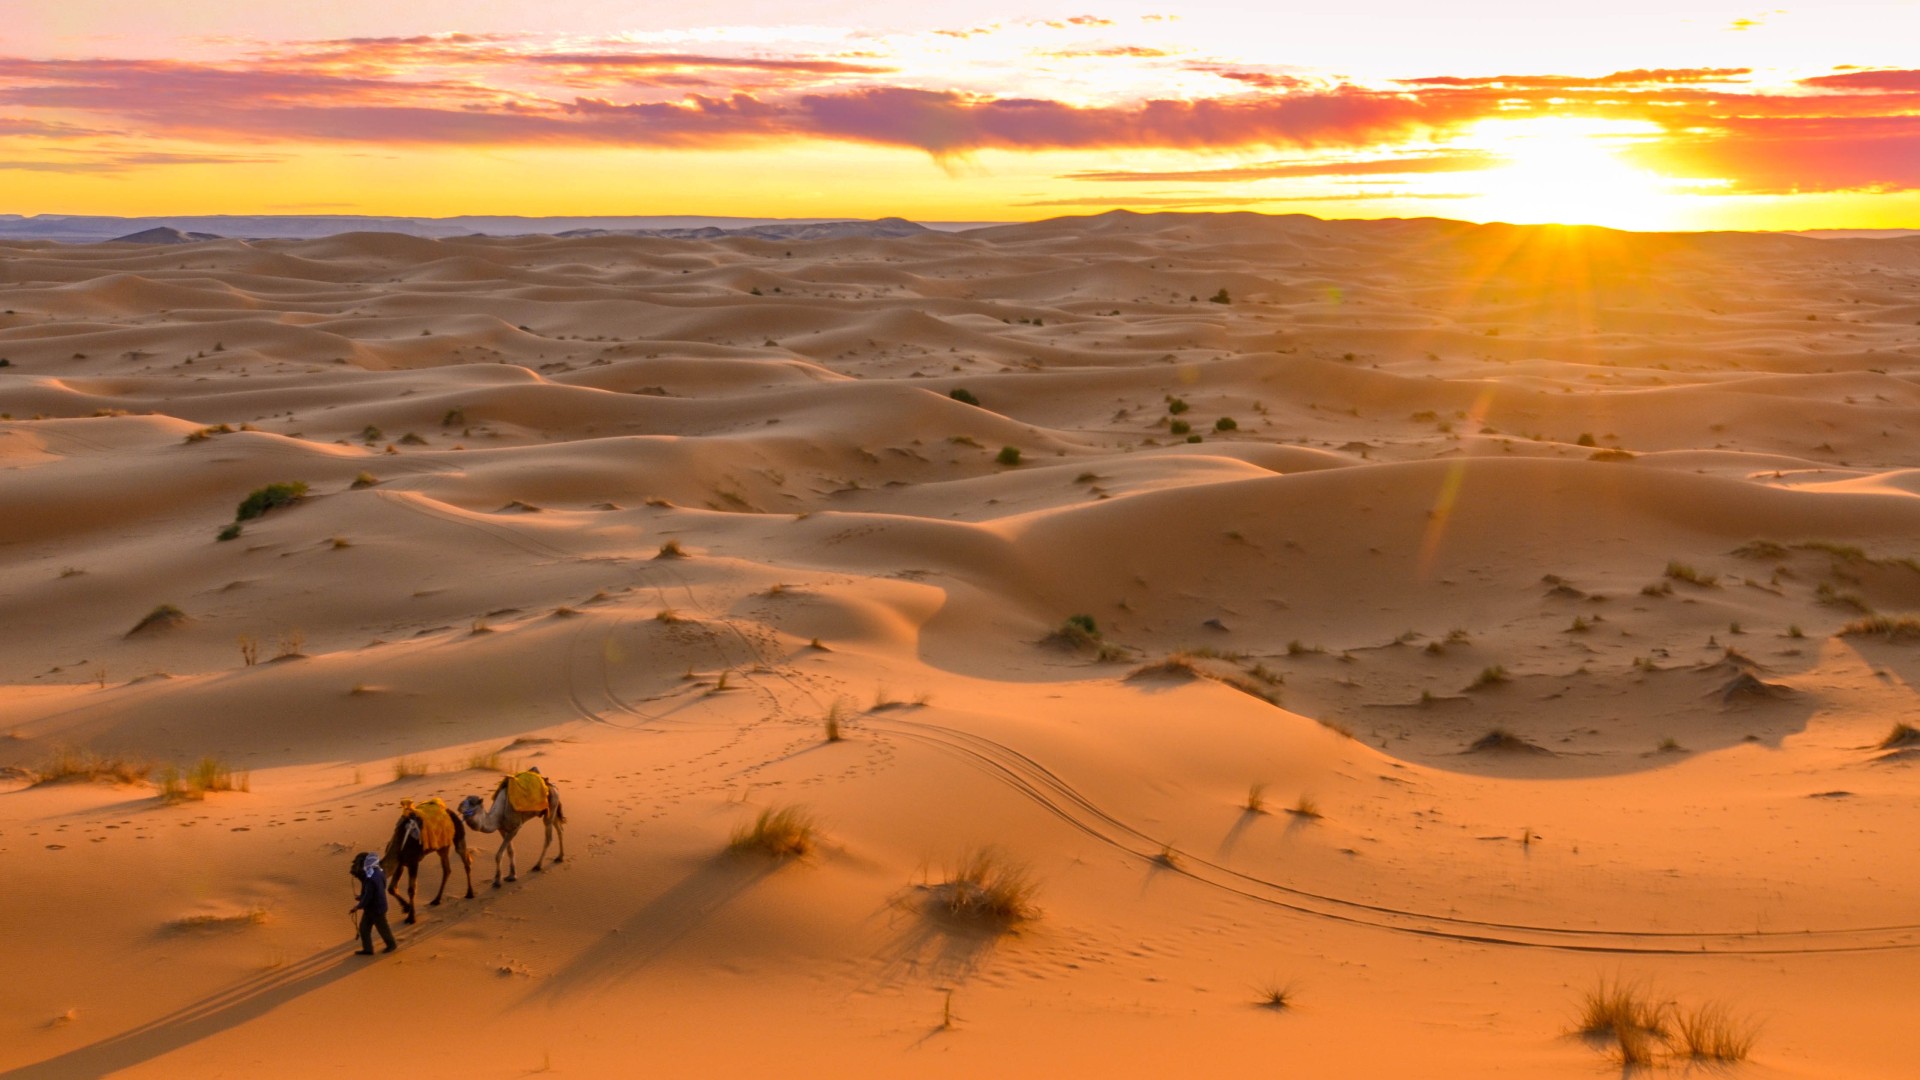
(83, 229)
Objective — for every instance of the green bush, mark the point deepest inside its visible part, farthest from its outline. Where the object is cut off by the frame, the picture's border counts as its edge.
(1179, 427)
(1226, 423)
(962, 395)
(271, 497)
(1008, 455)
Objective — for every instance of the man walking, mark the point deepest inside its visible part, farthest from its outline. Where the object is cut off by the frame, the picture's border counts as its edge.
(373, 902)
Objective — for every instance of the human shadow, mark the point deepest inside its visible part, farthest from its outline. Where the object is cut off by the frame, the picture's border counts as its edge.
(222, 1010)
(660, 923)
(211, 1015)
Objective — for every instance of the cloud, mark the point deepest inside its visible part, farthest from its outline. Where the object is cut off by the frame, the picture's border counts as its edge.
(128, 162)
(1903, 81)
(1451, 161)
(1783, 155)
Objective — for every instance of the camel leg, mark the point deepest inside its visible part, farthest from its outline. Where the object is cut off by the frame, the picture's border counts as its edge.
(560, 834)
(413, 882)
(546, 837)
(506, 846)
(466, 860)
(393, 889)
(446, 871)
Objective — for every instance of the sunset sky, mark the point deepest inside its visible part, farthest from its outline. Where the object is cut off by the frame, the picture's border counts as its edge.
(1628, 114)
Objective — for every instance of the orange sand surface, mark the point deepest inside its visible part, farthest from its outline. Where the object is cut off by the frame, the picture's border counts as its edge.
(1609, 502)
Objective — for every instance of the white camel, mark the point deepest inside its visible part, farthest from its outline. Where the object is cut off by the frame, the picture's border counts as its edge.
(501, 817)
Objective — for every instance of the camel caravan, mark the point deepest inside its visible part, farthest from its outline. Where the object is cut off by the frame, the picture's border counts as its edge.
(427, 828)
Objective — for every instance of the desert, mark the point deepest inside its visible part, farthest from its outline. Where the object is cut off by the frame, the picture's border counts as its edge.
(1147, 644)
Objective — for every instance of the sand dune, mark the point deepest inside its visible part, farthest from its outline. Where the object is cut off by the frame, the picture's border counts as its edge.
(1527, 575)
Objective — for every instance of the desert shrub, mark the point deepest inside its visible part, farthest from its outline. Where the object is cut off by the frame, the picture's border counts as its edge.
(406, 768)
(1903, 734)
(1179, 427)
(1008, 455)
(962, 395)
(1490, 676)
(1256, 799)
(365, 480)
(784, 833)
(1711, 1033)
(67, 764)
(192, 783)
(160, 618)
(1220, 297)
(1274, 995)
(670, 550)
(1680, 571)
(985, 887)
(271, 497)
(1585, 439)
(1226, 423)
(1306, 806)
(1904, 628)
(1176, 406)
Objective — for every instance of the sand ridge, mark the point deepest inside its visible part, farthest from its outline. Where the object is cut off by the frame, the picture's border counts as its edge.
(644, 512)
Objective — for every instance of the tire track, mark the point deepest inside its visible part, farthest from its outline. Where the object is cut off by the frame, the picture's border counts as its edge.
(1039, 784)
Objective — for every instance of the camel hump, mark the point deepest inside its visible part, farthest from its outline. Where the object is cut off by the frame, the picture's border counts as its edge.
(436, 823)
(527, 792)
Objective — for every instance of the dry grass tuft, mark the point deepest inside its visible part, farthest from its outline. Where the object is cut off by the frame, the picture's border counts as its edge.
(490, 761)
(986, 888)
(668, 615)
(1626, 1012)
(671, 550)
(1711, 1033)
(253, 916)
(1490, 676)
(1256, 799)
(1306, 807)
(1905, 628)
(1903, 734)
(192, 784)
(1275, 995)
(831, 723)
(785, 833)
(405, 768)
(164, 617)
(69, 765)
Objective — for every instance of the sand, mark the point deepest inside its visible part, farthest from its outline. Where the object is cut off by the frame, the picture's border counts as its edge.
(1604, 503)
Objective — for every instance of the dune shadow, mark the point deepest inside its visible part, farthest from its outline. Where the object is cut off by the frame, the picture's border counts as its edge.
(660, 923)
(211, 1015)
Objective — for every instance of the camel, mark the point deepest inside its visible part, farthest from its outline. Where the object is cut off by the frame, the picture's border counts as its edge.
(406, 851)
(501, 817)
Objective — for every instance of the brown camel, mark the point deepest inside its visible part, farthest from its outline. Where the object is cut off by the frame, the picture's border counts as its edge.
(500, 816)
(408, 847)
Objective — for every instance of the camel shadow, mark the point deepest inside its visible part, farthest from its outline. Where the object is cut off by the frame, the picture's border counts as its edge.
(659, 924)
(211, 1015)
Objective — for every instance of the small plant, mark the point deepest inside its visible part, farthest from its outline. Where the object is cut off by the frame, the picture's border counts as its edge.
(1275, 996)
(1220, 297)
(1306, 806)
(249, 650)
(986, 888)
(668, 615)
(163, 617)
(67, 764)
(1256, 799)
(1580, 625)
(785, 833)
(1670, 745)
(484, 761)
(1794, 631)
(832, 723)
(1657, 588)
(1008, 455)
(1179, 427)
(1903, 734)
(1626, 1013)
(1176, 406)
(270, 497)
(1711, 1033)
(1680, 571)
(406, 768)
(455, 417)
(364, 480)
(1585, 439)
(193, 784)
(964, 396)
(1226, 423)
(290, 644)
(230, 532)
(1168, 857)
(1902, 629)
(671, 550)
(1490, 676)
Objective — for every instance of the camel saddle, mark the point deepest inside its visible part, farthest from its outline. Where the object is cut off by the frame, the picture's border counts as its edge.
(527, 792)
(436, 823)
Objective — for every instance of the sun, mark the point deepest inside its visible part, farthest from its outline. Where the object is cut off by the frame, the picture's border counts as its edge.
(1567, 170)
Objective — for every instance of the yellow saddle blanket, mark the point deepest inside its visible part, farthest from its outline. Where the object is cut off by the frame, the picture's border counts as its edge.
(436, 823)
(527, 792)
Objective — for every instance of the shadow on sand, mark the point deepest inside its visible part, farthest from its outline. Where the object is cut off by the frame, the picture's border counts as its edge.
(660, 923)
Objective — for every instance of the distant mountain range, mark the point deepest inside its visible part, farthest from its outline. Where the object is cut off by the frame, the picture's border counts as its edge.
(189, 229)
